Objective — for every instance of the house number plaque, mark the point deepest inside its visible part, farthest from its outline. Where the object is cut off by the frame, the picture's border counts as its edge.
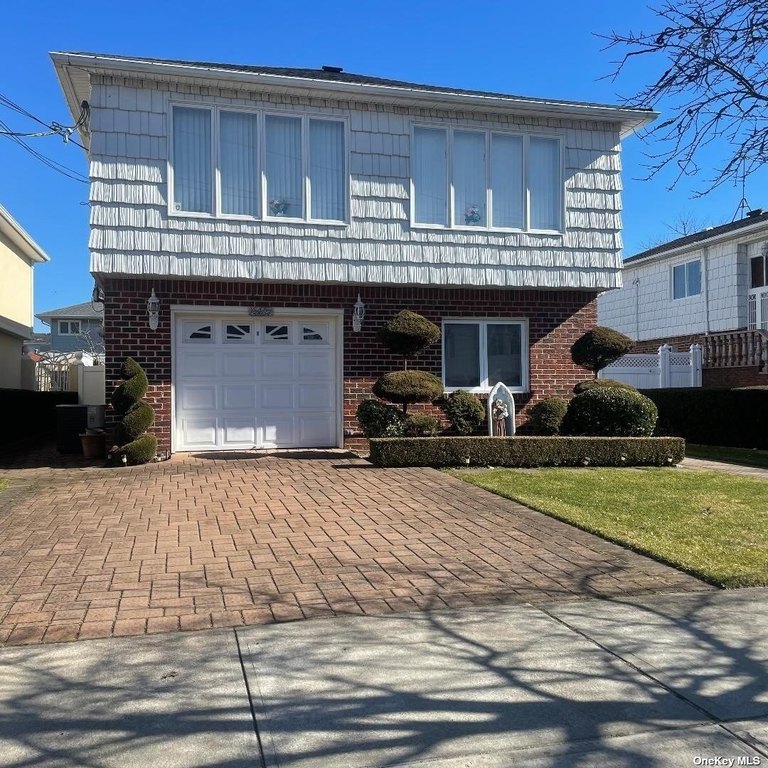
(261, 311)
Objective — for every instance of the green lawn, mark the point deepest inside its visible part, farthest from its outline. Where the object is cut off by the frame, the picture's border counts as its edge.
(746, 456)
(3, 484)
(712, 525)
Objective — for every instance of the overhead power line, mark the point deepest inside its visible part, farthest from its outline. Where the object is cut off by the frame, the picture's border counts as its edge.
(52, 129)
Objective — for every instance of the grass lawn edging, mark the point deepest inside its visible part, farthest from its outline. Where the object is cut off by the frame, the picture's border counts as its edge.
(526, 451)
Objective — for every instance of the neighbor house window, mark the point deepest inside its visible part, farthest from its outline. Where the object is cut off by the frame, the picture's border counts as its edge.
(686, 280)
(486, 179)
(258, 166)
(758, 269)
(69, 327)
(480, 353)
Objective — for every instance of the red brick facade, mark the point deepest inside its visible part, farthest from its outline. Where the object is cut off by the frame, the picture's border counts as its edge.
(556, 319)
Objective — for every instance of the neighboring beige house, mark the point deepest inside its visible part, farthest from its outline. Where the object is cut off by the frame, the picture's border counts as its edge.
(18, 255)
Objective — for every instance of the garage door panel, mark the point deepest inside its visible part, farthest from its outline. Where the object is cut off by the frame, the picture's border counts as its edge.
(314, 363)
(198, 397)
(255, 382)
(277, 431)
(276, 396)
(318, 396)
(313, 431)
(195, 363)
(277, 363)
(238, 432)
(199, 432)
(238, 362)
(235, 397)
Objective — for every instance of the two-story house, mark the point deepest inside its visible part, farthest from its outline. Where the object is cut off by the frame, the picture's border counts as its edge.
(253, 227)
(708, 288)
(76, 328)
(18, 255)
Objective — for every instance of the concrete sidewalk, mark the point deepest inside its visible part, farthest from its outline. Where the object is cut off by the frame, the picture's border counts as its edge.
(657, 681)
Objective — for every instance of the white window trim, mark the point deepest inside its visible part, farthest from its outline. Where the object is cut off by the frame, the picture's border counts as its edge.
(262, 216)
(69, 332)
(483, 322)
(687, 296)
(526, 136)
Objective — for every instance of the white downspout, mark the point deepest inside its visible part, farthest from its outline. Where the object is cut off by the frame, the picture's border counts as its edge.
(705, 270)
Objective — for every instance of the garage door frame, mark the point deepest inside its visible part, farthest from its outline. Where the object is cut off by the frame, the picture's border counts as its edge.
(194, 311)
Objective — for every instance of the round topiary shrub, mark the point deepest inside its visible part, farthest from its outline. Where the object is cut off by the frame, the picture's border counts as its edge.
(610, 412)
(421, 425)
(407, 387)
(546, 417)
(583, 386)
(600, 347)
(131, 439)
(378, 419)
(407, 333)
(464, 411)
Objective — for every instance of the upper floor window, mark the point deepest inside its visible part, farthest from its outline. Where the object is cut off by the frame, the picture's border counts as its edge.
(237, 163)
(69, 327)
(758, 269)
(485, 179)
(686, 279)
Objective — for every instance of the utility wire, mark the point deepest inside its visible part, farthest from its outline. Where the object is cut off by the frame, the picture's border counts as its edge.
(54, 129)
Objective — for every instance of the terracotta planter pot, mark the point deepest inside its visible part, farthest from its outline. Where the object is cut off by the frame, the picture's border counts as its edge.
(94, 445)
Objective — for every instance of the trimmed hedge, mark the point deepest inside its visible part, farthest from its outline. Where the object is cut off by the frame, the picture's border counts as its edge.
(410, 386)
(731, 417)
(407, 333)
(546, 417)
(421, 425)
(526, 451)
(378, 419)
(610, 412)
(600, 347)
(584, 386)
(465, 412)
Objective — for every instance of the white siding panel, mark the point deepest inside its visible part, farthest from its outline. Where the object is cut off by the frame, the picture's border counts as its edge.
(132, 232)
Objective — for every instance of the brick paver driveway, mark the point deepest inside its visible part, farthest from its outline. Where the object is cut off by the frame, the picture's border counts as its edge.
(199, 542)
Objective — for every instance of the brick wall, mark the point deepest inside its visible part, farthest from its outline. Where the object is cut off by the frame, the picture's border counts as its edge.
(556, 320)
(680, 343)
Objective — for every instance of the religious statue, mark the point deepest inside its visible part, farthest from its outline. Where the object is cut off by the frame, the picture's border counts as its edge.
(500, 414)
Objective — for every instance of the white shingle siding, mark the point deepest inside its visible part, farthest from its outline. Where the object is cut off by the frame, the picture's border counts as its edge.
(653, 314)
(132, 232)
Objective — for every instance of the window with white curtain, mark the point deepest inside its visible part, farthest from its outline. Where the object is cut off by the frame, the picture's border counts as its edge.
(238, 163)
(477, 354)
(246, 164)
(487, 179)
(192, 161)
(283, 167)
(430, 176)
(327, 180)
(686, 279)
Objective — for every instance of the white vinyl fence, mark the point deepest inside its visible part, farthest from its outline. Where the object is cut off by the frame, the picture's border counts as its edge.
(666, 368)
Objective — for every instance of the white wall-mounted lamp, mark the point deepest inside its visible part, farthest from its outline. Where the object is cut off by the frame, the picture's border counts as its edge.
(358, 313)
(153, 310)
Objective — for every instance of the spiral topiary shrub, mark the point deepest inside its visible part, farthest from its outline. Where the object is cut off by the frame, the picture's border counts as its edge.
(421, 425)
(546, 417)
(464, 411)
(600, 347)
(610, 412)
(583, 386)
(407, 333)
(378, 419)
(405, 387)
(137, 417)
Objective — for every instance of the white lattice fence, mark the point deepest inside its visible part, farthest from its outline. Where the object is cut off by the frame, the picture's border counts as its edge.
(667, 368)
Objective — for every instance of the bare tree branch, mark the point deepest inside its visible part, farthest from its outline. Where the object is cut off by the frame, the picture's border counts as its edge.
(714, 85)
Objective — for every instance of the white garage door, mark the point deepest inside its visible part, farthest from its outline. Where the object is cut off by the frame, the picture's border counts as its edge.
(255, 382)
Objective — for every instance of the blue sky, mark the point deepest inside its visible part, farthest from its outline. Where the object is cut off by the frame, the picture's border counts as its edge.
(548, 50)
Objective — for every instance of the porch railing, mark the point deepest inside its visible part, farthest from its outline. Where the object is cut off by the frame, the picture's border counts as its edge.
(737, 349)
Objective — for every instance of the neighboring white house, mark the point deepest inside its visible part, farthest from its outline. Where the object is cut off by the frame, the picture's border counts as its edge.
(710, 287)
(253, 227)
(18, 255)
